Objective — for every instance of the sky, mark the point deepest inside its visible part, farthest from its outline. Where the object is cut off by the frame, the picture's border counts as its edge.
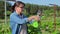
(41, 2)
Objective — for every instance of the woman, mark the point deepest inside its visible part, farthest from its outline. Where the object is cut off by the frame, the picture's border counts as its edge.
(18, 21)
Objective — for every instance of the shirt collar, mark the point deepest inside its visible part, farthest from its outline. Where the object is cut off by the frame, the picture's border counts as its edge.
(18, 15)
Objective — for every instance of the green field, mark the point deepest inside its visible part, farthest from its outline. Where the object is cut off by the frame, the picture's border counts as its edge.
(45, 22)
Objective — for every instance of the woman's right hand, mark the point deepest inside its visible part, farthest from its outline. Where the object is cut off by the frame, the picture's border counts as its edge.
(34, 17)
(37, 18)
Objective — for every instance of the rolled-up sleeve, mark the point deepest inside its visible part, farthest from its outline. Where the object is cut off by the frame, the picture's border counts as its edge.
(30, 22)
(18, 20)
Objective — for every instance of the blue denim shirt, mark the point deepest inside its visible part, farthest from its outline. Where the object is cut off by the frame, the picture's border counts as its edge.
(15, 19)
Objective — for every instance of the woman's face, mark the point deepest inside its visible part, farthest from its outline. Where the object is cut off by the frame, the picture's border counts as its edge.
(20, 8)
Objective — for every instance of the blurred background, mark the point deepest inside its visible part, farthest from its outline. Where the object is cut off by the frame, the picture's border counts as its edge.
(49, 16)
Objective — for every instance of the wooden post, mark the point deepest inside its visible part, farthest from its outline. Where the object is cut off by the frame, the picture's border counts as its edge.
(54, 17)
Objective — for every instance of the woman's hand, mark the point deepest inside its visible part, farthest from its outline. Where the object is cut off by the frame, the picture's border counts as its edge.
(37, 18)
(34, 17)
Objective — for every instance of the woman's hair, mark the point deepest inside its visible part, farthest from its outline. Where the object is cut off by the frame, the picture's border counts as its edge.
(17, 3)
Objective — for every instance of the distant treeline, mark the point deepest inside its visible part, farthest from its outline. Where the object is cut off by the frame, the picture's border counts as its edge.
(29, 8)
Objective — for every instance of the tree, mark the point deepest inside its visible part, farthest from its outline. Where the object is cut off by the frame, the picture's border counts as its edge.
(2, 8)
(10, 0)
